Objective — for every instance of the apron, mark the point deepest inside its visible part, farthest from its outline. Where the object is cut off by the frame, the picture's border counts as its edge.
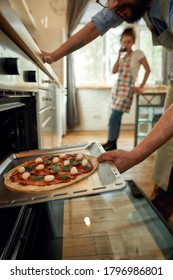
(122, 93)
(164, 155)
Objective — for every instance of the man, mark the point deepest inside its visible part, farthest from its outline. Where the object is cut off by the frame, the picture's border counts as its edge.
(158, 15)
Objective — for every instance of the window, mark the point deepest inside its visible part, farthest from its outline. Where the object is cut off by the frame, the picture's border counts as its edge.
(94, 62)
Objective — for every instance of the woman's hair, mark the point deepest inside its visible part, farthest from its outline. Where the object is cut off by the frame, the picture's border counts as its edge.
(129, 31)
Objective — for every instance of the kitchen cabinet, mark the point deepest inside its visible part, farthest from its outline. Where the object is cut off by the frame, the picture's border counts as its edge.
(149, 108)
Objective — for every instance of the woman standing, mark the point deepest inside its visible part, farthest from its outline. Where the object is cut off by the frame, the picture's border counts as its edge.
(127, 65)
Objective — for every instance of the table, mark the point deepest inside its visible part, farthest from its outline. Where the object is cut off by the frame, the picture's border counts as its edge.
(149, 108)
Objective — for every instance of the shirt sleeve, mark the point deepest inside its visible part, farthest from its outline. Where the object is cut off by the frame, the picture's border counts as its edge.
(170, 14)
(139, 54)
(106, 19)
(135, 62)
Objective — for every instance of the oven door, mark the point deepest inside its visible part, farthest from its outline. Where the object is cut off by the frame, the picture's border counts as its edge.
(18, 125)
(18, 231)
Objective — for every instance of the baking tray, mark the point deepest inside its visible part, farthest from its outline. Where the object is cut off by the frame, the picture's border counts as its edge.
(105, 178)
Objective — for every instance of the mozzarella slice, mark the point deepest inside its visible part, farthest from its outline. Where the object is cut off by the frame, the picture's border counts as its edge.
(66, 162)
(62, 155)
(39, 167)
(79, 156)
(73, 170)
(84, 162)
(55, 159)
(26, 175)
(38, 160)
(21, 169)
(49, 178)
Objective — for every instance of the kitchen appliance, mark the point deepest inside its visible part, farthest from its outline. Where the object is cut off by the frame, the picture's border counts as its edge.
(22, 84)
(30, 99)
(109, 225)
(18, 123)
(18, 87)
(26, 217)
(44, 225)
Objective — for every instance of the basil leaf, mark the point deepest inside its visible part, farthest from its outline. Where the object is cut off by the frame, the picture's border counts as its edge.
(78, 162)
(55, 168)
(50, 157)
(86, 167)
(71, 159)
(31, 167)
(38, 178)
(47, 161)
(66, 168)
(64, 176)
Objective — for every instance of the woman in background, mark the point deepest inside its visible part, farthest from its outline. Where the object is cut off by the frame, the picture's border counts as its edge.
(127, 66)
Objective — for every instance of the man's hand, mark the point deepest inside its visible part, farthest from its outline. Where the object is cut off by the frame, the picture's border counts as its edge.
(46, 57)
(123, 160)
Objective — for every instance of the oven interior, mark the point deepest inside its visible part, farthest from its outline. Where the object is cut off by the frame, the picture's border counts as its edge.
(32, 232)
(18, 123)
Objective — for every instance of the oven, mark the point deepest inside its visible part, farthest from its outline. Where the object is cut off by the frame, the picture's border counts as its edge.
(18, 123)
(28, 122)
(18, 89)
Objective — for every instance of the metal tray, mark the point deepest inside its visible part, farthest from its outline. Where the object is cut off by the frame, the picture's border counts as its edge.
(106, 177)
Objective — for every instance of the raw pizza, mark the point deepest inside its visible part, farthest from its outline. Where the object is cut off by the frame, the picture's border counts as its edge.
(50, 172)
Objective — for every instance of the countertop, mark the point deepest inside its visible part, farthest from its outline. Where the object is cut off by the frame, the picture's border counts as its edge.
(154, 90)
(14, 28)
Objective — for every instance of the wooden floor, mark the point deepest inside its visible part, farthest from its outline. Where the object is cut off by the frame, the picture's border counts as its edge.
(141, 173)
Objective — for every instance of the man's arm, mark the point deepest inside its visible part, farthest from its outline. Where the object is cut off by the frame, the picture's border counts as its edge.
(160, 134)
(87, 34)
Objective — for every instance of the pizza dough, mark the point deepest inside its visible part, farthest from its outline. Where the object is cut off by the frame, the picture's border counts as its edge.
(50, 172)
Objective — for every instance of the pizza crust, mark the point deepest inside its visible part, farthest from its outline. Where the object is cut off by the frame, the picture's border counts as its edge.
(14, 186)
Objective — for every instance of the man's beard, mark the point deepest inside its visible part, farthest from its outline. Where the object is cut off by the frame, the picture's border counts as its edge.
(137, 10)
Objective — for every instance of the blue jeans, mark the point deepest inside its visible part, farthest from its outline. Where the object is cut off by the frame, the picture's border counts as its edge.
(114, 125)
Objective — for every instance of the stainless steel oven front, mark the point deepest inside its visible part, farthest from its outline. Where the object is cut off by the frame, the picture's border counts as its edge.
(18, 89)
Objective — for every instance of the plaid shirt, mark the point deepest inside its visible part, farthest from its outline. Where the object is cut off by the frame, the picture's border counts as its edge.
(122, 95)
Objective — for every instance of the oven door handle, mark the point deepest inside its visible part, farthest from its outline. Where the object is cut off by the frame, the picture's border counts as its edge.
(24, 233)
(18, 238)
